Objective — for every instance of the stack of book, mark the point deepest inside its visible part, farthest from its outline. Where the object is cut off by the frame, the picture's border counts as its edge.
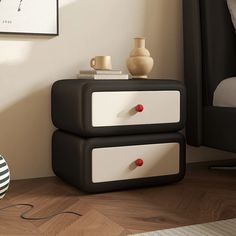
(102, 74)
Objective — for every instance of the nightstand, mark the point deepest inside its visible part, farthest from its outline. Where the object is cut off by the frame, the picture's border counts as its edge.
(118, 134)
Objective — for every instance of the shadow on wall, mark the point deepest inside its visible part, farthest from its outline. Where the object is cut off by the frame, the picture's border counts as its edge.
(166, 44)
(25, 134)
(25, 122)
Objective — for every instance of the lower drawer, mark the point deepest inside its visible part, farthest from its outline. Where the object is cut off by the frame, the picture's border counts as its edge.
(105, 164)
(136, 161)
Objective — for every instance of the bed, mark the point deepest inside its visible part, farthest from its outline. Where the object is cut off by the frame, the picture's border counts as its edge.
(209, 59)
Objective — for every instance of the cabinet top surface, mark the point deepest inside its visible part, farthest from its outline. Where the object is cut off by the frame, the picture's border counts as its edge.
(129, 81)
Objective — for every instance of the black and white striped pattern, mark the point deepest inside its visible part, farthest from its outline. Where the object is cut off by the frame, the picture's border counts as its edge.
(4, 177)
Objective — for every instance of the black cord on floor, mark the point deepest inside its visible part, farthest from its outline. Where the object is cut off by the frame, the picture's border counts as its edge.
(23, 215)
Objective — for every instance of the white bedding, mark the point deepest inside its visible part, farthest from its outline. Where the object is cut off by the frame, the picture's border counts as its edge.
(225, 93)
(232, 9)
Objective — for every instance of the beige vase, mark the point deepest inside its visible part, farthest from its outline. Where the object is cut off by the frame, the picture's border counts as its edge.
(140, 63)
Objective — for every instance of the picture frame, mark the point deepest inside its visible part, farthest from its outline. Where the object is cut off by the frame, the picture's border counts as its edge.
(34, 17)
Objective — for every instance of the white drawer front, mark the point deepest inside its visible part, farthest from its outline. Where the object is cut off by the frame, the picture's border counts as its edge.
(118, 163)
(118, 108)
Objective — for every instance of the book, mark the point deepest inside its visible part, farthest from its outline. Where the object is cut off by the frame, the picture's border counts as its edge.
(101, 77)
(101, 72)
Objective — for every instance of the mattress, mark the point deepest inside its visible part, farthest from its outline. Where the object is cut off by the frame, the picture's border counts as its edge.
(225, 93)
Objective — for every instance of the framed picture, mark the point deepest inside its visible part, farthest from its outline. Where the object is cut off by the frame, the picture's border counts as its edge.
(29, 17)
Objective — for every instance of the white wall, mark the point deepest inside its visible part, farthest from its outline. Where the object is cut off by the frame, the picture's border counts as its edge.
(29, 65)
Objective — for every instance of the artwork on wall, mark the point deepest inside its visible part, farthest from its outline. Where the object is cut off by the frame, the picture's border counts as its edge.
(29, 17)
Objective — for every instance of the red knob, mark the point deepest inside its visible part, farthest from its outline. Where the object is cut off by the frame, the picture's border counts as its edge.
(139, 108)
(139, 162)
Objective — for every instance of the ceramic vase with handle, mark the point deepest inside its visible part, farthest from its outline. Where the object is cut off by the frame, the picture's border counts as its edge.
(4, 177)
(140, 63)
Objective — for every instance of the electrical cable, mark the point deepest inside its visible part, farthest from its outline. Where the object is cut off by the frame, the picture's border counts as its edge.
(23, 215)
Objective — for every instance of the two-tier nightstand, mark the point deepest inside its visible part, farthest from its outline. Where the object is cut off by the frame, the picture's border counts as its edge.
(118, 134)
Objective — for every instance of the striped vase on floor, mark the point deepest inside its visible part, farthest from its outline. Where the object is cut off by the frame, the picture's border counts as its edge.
(4, 177)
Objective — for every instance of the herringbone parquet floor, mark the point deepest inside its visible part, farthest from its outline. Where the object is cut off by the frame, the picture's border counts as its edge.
(203, 196)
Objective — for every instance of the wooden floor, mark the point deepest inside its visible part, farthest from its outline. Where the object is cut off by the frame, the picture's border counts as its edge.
(203, 196)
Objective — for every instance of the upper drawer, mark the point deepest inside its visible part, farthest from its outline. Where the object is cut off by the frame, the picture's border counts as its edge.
(112, 107)
(135, 108)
